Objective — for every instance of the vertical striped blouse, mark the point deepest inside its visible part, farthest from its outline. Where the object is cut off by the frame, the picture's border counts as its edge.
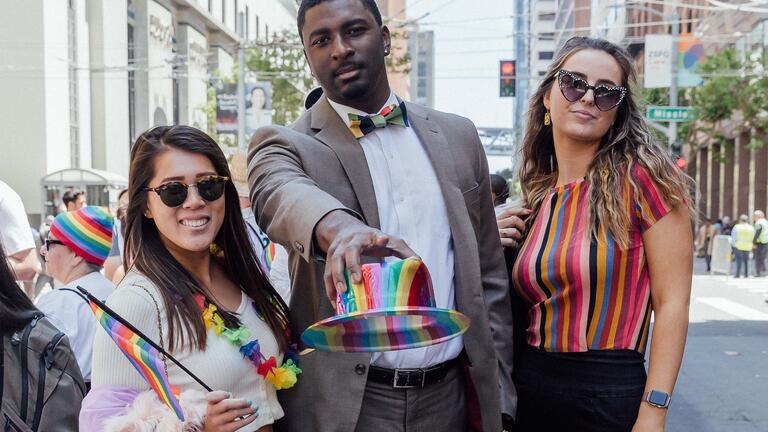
(584, 291)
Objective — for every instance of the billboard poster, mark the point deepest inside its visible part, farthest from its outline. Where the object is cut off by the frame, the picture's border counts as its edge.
(258, 107)
(226, 108)
(658, 61)
(690, 51)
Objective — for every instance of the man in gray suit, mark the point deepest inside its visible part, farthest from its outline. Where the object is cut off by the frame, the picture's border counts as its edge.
(341, 187)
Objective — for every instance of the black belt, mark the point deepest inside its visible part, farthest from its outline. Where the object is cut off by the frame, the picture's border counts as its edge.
(411, 378)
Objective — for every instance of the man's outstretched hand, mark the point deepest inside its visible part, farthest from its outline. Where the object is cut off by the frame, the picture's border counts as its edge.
(345, 238)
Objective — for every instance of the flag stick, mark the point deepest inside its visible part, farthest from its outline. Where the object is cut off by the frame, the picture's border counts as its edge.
(122, 320)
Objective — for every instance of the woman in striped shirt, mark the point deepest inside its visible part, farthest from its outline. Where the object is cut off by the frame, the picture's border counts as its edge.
(608, 240)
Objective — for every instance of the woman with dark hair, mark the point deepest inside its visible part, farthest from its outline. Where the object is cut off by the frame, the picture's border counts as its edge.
(193, 284)
(28, 340)
(608, 241)
(16, 309)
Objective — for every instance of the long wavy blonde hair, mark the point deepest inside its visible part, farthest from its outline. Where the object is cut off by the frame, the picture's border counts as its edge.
(628, 142)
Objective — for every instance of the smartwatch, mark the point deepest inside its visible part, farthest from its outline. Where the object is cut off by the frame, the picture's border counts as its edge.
(658, 398)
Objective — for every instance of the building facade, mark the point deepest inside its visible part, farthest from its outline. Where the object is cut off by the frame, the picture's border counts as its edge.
(732, 179)
(542, 45)
(573, 18)
(85, 77)
(421, 50)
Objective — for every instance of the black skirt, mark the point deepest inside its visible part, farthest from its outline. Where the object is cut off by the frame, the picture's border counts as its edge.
(584, 392)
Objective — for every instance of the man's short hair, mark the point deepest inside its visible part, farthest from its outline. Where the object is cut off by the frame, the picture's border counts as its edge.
(309, 4)
(68, 197)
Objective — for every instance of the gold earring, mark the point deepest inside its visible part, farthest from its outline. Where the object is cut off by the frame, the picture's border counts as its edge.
(547, 119)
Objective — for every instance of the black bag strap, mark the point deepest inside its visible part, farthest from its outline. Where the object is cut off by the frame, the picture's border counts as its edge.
(24, 347)
(45, 363)
(2, 366)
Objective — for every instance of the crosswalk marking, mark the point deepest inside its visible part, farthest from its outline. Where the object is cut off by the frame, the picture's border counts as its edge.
(753, 285)
(732, 308)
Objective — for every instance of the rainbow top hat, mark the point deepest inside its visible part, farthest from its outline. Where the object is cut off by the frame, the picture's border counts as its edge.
(392, 309)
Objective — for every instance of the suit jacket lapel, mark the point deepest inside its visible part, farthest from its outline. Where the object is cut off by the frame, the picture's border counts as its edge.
(334, 133)
(436, 145)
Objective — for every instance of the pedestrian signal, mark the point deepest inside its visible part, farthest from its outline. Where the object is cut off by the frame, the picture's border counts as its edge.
(507, 75)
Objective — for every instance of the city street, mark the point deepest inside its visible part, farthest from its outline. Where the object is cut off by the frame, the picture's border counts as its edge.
(723, 384)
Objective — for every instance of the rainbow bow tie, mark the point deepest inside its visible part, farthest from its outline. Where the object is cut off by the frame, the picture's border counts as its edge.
(392, 114)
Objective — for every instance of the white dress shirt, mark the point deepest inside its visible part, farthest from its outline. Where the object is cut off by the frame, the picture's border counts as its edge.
(73, 316)
(411, 206)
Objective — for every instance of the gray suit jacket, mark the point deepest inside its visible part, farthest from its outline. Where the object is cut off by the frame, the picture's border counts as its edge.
(299, 174)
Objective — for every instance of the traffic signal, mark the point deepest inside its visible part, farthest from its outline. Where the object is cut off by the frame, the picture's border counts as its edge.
(681, 163)
(507, 73)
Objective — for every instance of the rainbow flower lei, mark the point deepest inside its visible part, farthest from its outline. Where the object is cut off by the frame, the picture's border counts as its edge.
(281, 377)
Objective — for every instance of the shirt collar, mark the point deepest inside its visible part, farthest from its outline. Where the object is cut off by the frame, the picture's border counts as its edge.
(343, 111)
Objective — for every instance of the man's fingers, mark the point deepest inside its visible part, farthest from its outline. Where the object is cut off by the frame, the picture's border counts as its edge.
(400, 249)
(330, 290)
(352, 260)
(337, 264)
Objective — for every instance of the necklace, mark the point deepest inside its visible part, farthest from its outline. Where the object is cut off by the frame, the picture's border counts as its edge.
(282, 376)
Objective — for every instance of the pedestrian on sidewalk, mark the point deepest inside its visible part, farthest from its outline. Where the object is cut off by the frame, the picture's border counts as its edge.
(17, 238)
(74, 253)
(608, 241)
(743, 235)
(704, 239)
(761, 242)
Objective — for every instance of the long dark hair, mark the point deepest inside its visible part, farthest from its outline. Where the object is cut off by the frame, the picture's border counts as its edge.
(145, 252)
(628, 142)
(16, 309)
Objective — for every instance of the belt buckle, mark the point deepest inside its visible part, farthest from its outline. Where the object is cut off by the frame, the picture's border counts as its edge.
(407, 385)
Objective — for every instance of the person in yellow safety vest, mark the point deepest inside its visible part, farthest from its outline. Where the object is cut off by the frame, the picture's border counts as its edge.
(761, 242)
(742, 234)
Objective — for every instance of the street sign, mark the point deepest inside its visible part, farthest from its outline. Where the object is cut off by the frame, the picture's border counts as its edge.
(670, 114)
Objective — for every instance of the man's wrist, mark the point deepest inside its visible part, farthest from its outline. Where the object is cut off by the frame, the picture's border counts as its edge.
(329, 225)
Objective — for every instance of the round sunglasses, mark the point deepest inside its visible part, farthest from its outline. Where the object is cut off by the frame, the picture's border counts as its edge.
(173, 194)
(574, 88)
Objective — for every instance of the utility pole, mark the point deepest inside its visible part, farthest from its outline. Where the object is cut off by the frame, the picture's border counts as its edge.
(521, 70)
(673, 76)
(241, 83)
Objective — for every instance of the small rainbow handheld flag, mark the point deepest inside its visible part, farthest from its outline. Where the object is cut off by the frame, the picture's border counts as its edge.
(141, 351)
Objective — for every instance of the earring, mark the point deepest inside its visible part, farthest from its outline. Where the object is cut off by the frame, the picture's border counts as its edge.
(547, 119)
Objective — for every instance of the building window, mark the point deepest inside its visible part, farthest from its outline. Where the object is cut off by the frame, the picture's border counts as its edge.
(224, 11)
(74, 122)
(131, 85)
(237, 16)
(549, 16)
(247, 23)
(210, 6)
(546, 55)
(547, 36)
(542, 73)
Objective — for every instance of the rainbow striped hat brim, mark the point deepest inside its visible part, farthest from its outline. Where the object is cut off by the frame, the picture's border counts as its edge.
(388, 329)
(393, 308)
